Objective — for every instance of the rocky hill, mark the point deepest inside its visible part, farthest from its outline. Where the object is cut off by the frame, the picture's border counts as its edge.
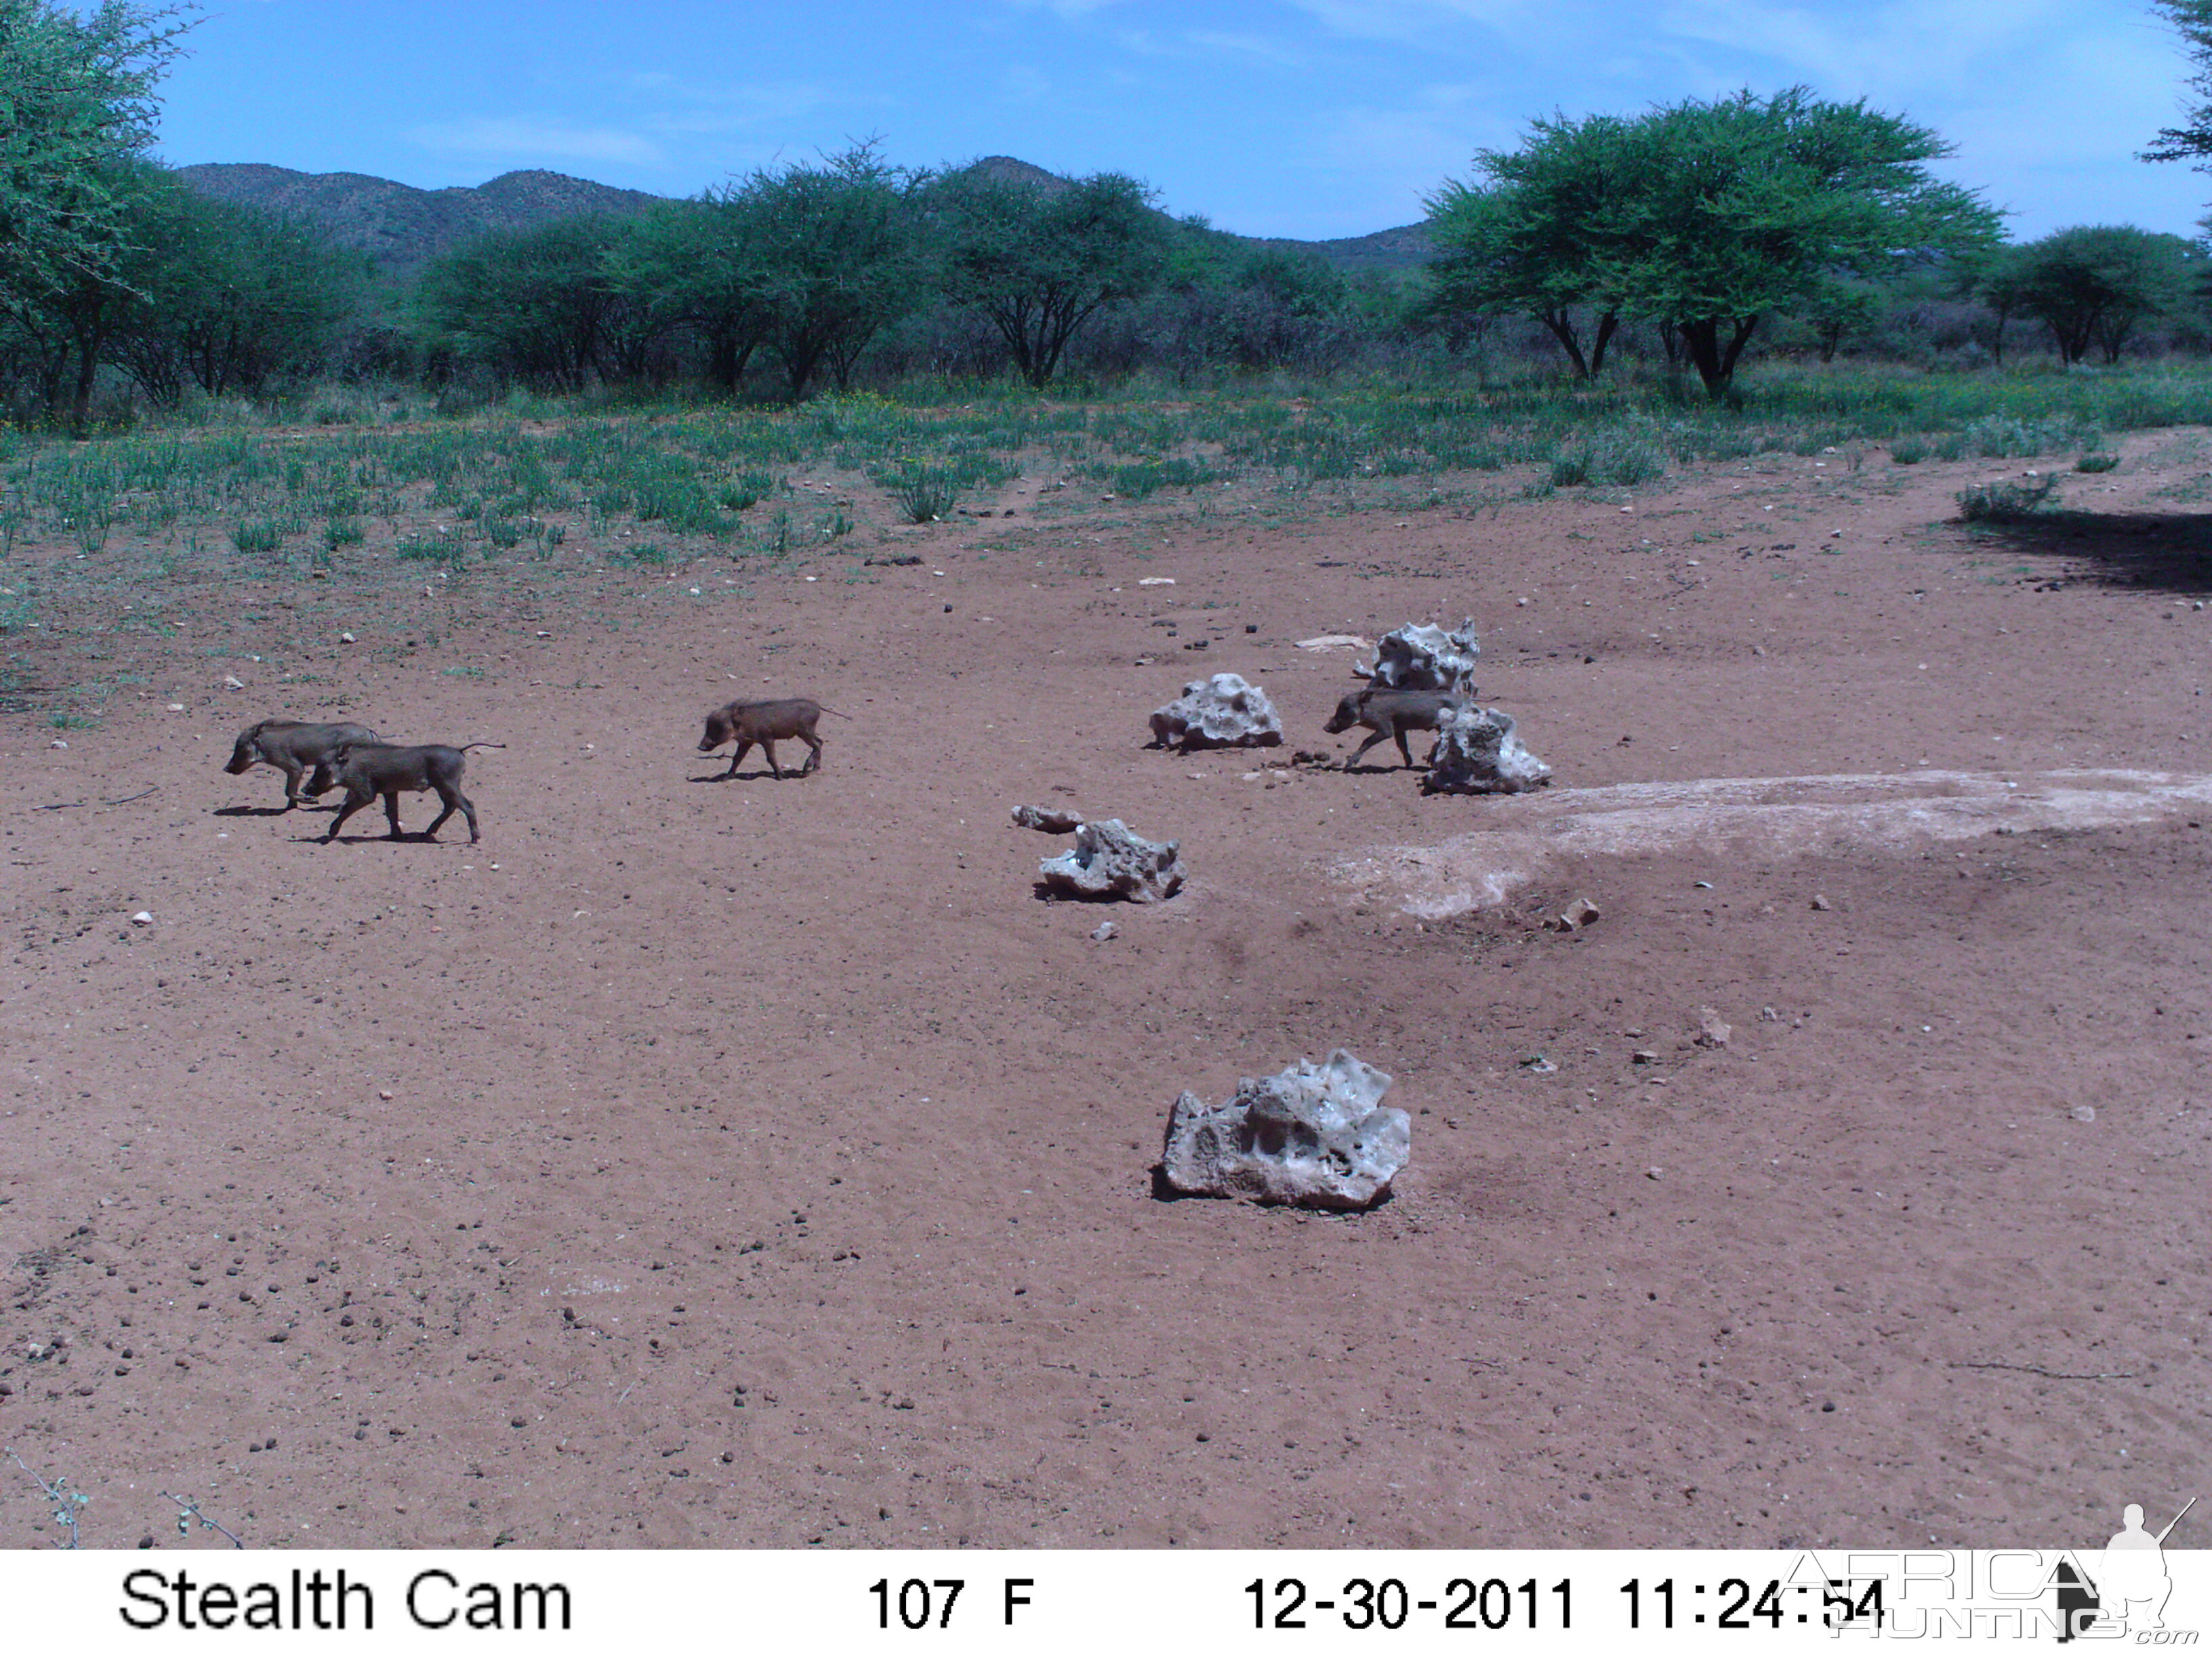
(403, 228)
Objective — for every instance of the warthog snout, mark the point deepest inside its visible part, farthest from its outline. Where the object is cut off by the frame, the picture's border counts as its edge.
(766, 723)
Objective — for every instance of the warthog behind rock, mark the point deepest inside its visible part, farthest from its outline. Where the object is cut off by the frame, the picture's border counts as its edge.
(293, 746)
(1391, 715)
(366, 770)
(767, 723)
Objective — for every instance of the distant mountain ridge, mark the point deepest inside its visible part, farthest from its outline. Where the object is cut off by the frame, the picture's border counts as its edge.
(404, 228)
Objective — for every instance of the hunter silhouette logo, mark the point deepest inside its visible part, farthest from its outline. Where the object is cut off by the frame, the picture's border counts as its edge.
(2130, 1585)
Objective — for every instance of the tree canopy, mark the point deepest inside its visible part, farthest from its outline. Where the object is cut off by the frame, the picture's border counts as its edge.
(2192, 139)
(835, 253)
(1706, 215)
(2092, 284)
(77, 103)
(1040, 261)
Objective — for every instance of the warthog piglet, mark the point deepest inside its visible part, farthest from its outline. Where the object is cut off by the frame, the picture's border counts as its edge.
(1391, 715)
(366, 770)
(293, 746)
(766, 723)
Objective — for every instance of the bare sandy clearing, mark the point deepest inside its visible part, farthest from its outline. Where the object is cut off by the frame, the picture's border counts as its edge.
(761, 1163)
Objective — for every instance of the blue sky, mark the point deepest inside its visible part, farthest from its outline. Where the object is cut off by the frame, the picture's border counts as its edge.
(1286, 118)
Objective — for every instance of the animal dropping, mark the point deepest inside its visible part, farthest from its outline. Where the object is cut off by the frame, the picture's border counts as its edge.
(1224, 712)
(1108, 862)
(1317, 1136)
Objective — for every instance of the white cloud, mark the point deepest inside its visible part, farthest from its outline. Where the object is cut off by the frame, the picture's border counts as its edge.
(1401, 155)
(535, 136)
(774, 104)
(1412, 20)
(1025, 84)
(1066, 10)
(1263, 47)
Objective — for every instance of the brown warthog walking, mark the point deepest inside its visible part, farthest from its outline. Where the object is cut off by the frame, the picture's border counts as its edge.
(767, 723)
(366, 770)
(293, 746)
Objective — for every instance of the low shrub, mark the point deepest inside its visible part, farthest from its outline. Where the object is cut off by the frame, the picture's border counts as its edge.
(2008, 501)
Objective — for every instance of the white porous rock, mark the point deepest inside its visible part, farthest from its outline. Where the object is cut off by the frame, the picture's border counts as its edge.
(1478, 754)
(1108, 862)
(1053, 820)
(1426, 657)
(1313, 1136)
(1220, 712)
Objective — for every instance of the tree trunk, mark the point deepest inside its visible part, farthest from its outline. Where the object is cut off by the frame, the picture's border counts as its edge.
(1562, 324)
(1606, 325)
(1717, 361)
(726, 361)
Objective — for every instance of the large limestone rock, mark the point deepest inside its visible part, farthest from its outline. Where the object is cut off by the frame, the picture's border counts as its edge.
(1108, 862)
(1220, 712)
(1478, 754)
(1424, 659)
(1314, 1135)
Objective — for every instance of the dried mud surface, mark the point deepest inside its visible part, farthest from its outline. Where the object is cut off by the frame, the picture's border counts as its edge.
(762, 1163)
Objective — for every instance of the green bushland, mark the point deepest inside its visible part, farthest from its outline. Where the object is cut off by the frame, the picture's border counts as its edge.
(480, 489)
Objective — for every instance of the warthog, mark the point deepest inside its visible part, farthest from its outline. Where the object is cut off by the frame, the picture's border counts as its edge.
(765, 722)
(293, 746)
(1388, 714)
(366, 770)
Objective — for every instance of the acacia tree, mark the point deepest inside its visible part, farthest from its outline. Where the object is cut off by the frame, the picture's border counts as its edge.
(76, 114)
(696, 264)
(2000, 284)
(227, 296)
(1711, 216)
(1041, 260)
(1731, 210)
(1522, 239)
(2093, 283)
(835, 253)
(76, 101)
(538, 305)
(2192, 140)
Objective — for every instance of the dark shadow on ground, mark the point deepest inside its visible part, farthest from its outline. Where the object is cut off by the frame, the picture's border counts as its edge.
(748, 777)
(271, 811)
(2167, 552)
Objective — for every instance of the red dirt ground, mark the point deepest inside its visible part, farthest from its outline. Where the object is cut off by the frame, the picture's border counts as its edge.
(763, 1162)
